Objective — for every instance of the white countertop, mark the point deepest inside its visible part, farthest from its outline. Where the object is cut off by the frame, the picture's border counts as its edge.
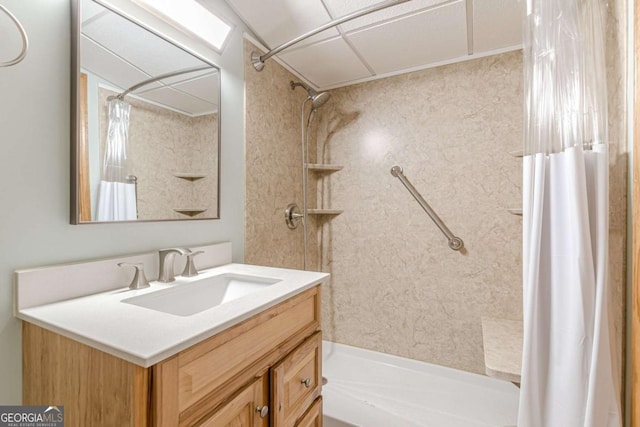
(146, 337)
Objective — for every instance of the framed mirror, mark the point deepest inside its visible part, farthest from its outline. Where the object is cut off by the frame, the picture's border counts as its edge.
(145, 124)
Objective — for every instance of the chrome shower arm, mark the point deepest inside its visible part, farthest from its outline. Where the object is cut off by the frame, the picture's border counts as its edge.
(258, 60)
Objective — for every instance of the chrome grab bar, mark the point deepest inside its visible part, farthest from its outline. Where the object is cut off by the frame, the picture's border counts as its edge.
(455, 243)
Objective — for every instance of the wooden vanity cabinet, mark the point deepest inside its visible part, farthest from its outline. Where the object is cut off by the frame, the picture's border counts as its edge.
(271, 359)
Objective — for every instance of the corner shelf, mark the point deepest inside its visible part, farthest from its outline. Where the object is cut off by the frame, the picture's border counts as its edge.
(317, 167)
(189, 176)
(190, 211)
(323, 169)
(324, 211)
(516, 211)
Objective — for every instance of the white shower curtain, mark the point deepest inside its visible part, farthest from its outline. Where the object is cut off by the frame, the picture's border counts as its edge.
(116, 195)
(569, 364)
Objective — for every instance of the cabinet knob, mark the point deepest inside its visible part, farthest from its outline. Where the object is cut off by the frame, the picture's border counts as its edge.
(306, 382)
(263, 411)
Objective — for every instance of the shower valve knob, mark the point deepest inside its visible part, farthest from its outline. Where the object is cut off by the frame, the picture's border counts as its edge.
(293, 216)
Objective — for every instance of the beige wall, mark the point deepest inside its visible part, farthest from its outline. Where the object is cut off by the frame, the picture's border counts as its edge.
(162, 143)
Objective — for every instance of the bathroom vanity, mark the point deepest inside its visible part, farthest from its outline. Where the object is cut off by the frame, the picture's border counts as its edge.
(252, 361)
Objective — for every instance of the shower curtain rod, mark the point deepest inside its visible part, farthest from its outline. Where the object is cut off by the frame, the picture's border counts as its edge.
(155, 79)
(258, 60)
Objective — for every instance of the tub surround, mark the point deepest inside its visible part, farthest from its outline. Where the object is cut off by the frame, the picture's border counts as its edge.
(396, 286)
(72, 301)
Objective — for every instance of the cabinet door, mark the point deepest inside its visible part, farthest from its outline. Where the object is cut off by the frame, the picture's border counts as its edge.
(296, 382)
(313, 418)
(247, 409)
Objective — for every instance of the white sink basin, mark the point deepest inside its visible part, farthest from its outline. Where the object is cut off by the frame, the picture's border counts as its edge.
(190, 296)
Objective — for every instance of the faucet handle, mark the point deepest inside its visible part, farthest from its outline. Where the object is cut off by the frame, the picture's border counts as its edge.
(190, 268)
(139, 279)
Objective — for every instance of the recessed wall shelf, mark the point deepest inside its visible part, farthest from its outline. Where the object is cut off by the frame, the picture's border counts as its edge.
(190, 211)
(315, 167)
(189, 176)
(324, 211)
(515, 211)
(517, 153)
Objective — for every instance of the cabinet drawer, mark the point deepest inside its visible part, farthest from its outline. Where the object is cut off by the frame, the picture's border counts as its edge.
(313, 417)
(296, 381)
(212, 369)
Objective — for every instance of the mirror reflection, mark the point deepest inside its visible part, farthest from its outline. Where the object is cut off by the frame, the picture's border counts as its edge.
(147, 137)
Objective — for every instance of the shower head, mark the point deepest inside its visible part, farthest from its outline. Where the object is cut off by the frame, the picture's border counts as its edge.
(317, 99)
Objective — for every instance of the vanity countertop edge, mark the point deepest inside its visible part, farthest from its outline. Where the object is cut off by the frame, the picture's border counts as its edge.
(145, 337)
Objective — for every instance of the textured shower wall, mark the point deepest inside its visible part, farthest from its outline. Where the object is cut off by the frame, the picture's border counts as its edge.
(273, 167)
(396, 287)
(161, 143)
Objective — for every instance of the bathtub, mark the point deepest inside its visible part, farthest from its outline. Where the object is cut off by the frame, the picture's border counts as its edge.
(370, 389)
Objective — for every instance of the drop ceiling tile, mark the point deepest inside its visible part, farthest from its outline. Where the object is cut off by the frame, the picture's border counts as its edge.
(278, 21)
(179, 101)
(426, 37)
(104, 64)
(142, 48)
(212, 72)
(205, 88)
(326, 63)
(339, 8)
(497, 24)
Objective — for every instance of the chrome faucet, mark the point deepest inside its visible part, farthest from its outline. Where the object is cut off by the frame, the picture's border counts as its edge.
(167, 258)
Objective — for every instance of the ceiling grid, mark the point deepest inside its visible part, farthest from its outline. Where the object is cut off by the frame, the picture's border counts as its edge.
(414, 35)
